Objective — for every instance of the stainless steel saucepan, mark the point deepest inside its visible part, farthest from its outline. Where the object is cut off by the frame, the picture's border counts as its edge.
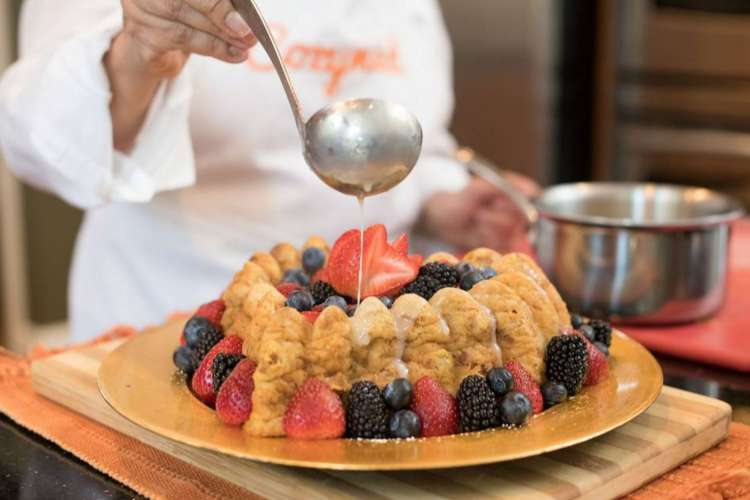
(632, 252)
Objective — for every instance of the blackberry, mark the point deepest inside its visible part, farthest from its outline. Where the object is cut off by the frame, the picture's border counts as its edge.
(366, 413)
(206, 342)
(222, 366)
(567, 362)
(602, 331)
(477, 405)
(424, 286)
(320, 291)
(444, 274)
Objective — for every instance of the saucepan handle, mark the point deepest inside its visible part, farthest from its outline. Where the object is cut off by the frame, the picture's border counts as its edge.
(488, 171)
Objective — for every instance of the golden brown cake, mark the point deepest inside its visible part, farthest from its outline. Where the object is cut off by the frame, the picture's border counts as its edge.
(508, 317)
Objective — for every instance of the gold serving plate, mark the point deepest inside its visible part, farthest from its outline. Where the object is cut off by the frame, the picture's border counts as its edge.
(139, 381)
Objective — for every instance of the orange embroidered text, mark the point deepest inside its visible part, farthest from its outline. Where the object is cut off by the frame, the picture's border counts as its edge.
(337, 62)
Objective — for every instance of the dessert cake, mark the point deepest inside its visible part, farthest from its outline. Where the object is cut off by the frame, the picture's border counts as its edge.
(436, 345)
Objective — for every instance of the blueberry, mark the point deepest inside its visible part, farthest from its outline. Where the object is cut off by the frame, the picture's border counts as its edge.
(185, 359)
(195, 328)
(463, 268)
(387, 301)
(515, 408)
(397, 393)
(553, 393)
(312, 260)
(470, 279)
(488, 273)
(336, 300)
(300, 300)
(602, 347)
(576, 321)
(404, 424)
(588, 332)
(296, 276)
(500, 380)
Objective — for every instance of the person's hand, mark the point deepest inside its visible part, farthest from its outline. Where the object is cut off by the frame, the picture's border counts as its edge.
(156, 40)
(479, 216)
(160, 34)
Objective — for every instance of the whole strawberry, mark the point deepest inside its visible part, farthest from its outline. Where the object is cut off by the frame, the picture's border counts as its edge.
(202, 382)
(212, 311)
(598, 366)
(234, 402)
(522, 382)
(315, 412)
(311, 316)
(436, 407)
(287, 288)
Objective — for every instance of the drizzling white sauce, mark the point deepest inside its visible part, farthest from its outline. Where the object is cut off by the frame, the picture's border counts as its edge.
(361, 330)
(443, 324)
(493, 338)
(403, 322)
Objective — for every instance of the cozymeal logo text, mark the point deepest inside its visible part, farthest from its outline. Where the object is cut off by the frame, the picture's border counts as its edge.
(337, 62)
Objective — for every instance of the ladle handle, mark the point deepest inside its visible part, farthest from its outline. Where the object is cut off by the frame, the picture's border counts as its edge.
(485, 169)
(254, 19)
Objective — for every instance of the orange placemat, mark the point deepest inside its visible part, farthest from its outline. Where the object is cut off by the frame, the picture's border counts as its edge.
(721, 472)
(148, 471)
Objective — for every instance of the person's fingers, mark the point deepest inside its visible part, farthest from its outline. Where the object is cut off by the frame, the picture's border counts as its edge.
(524, 184)
(195, 19)
(171, 35)
(223, 14)
(498, 221)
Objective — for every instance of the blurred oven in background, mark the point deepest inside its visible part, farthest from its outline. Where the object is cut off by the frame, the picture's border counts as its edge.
(677, 82)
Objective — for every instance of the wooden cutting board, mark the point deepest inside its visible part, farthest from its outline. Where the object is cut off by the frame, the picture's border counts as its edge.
(678, 426)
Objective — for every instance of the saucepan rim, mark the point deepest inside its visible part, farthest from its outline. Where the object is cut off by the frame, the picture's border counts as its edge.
(733, 209)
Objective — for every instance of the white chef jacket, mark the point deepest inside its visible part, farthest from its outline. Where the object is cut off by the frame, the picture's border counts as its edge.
(217, 171)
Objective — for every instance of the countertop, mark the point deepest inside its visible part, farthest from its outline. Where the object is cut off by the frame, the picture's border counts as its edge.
(32, 467)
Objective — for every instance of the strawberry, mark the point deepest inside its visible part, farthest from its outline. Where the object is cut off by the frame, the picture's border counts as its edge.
(436, 408)
(385, 268)
(311, 316)
(401, 244)
(287, 288)
(202, 382)
(598, 366)
(416, 260)
(522, 382)
(212, 311)
(315, 412)
(597, 361)
(234, 402)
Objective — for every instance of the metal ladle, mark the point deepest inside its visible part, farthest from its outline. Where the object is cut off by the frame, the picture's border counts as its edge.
(359, 147)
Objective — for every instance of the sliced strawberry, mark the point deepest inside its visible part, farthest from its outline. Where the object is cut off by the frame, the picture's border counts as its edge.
(343, 263)
(287, 288)
(436, 408)
(416, 260)
(234, 402)
(212, 311)
(202, 382)
(401, 244)
(315, 412)
(311, 316)
(384, 267)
